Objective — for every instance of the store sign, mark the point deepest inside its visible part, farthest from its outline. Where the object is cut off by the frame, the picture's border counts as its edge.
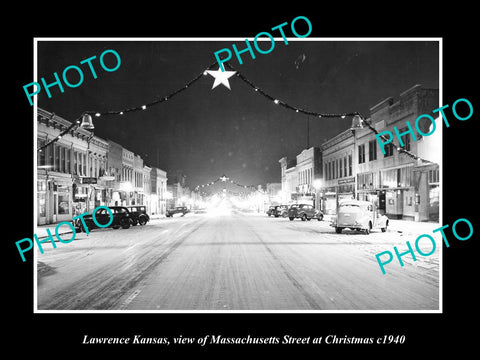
(89, 180)
(346, 181)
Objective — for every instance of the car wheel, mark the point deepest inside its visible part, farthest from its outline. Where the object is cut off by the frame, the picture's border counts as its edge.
(320, 218)
(338, 230)
(142, 220)
(368, 229)
(291, 218)
(304, 217)
(284, 215)
(125, 223)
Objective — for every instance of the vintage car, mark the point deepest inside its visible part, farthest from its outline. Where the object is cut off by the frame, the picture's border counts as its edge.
(121, 218)
(139, 214)
(304, 212)
(177, 210)
(359, 215)
(281, 210)
(271, 210)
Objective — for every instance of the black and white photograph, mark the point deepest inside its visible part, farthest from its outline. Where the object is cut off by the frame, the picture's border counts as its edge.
(258, 187)
(292, 184)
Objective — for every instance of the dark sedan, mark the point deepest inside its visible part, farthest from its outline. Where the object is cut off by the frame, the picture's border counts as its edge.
(120, 217)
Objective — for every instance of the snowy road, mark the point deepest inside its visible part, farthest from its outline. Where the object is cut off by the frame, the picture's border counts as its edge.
(233, 261)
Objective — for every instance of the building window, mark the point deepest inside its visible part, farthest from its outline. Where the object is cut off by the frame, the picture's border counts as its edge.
(49, 155)
(405, 139)
(349, 165)
(84, 164)
(56, 157)
(433, 176)
(68, 170)
(388, 150)
(372, 150)
(62, 159)
(75, 162)
(345, 166)
(361, 154)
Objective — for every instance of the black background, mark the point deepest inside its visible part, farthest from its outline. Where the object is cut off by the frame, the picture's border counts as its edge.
(61, 335)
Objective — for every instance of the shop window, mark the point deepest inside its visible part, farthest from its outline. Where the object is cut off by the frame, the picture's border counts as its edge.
(41, 185)
(63, 203)
(41, 205)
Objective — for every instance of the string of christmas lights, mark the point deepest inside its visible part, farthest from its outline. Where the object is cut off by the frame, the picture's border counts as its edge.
(284, 104)
(276, 101)
(224, 179)
(397, 147)
(72, 127)
(321, 115)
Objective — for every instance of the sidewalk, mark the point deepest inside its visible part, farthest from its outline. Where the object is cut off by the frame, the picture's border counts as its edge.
(41, 230)
(408, 227)
(412, 227)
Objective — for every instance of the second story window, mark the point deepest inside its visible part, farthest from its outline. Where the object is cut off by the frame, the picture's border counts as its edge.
(361, 154)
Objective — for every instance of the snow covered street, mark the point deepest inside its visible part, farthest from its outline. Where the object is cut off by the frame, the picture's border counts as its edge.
(234, 261)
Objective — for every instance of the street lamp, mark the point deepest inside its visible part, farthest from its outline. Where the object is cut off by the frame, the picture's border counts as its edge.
(357, 123)
(87, 122)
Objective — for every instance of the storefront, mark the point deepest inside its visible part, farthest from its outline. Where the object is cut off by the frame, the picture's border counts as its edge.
(54, 196)
(345, 190)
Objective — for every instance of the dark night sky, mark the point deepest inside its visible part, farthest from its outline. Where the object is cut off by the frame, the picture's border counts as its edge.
(204, 133)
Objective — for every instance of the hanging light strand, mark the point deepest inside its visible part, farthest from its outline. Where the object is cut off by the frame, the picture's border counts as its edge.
(400, 149)
(284, 104)
(158, 100)
(226, 179)
(71, 127)
(276, 101)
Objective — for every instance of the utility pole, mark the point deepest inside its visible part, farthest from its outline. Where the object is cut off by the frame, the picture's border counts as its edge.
(308, 132)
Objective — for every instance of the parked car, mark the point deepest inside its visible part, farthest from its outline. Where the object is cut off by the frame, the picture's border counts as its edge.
(359, 215)
(121, 218)
(139, 214)
(271, 210)
(281, 210)
(177, 210)
(304, 212)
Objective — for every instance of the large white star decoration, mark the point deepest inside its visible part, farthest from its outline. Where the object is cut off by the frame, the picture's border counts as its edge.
(221, 77)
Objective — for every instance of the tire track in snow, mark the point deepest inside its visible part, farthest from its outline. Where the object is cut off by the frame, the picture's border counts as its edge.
(98, 292)
(310, 299)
